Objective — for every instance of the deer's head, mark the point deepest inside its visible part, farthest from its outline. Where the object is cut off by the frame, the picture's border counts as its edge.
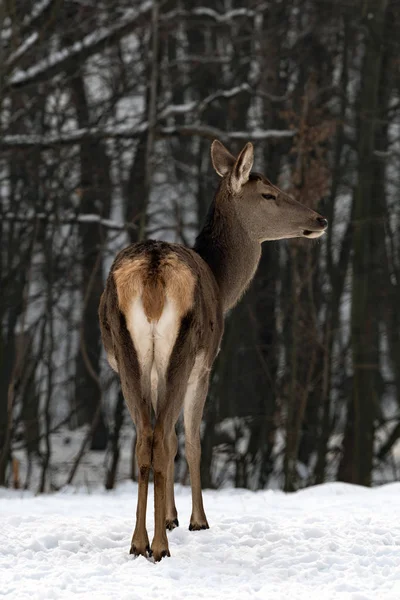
(265, 211)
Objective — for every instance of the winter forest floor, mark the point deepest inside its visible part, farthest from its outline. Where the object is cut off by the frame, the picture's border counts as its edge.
(333, 541)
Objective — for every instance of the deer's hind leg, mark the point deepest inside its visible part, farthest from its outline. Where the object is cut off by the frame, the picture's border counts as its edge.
(193, 411)
(140, 412)
(164, 439)
(171, 520)
(137, 393)
(140, 539)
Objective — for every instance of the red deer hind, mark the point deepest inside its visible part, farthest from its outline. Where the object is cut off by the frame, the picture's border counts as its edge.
(162, 315)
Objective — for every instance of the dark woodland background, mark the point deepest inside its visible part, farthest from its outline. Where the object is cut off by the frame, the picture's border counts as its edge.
(107, 111)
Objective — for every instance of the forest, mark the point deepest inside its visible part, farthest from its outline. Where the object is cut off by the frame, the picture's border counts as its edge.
(107, 112)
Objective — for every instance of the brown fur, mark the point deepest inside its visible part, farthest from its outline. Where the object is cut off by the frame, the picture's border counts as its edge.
(172, 278)
(153, 298)
(203, 284)
(129, 281)
(179, 282)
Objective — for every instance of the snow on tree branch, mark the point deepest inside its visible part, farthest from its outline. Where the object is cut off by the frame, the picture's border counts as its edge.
(81, 50)
(223, 18)
(9, 142)
(94, 42)
(198, 107)
(203, 11)
(22, 49)
(39, 9)
(213, 132)
(48, 219)
(68, 138)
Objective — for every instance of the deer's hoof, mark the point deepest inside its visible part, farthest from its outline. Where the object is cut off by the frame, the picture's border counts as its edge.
(171, 524)
(159, 553)
(194, 526)
(138, 550)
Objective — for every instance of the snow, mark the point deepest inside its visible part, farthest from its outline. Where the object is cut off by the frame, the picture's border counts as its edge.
(179, 109)
(225, 136)
(25, 47)
(204, 11)
(86, 218)
(55, 62)
(37, 9)
(72, 137)
(129, 132)
(333, 541)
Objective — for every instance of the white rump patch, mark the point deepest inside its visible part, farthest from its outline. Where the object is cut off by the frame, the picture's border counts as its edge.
(153, 342)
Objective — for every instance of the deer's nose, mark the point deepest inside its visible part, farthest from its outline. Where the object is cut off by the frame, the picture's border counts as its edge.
(323, 222)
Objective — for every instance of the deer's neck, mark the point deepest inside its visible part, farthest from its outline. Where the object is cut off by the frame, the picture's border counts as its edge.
(228, 250)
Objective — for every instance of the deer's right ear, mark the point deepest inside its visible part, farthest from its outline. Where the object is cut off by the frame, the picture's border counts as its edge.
(243, 166)
(222, 159)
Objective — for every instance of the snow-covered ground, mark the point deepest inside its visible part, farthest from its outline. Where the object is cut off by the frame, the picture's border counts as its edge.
(333, 541)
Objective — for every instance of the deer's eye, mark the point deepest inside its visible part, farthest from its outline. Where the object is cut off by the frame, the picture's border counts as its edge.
(269, 196)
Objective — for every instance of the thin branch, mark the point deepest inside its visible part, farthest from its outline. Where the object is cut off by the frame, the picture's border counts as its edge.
(13, 142)
(46, 219)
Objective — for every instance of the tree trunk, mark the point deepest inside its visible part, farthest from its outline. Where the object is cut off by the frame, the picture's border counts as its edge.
(95, 198)
(357, 458)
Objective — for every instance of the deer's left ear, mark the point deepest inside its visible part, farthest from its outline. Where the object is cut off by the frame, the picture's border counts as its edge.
(222, 159)
(242, 168)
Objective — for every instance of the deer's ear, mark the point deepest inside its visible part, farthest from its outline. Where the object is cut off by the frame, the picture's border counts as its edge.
(222, 159)
(242, 168)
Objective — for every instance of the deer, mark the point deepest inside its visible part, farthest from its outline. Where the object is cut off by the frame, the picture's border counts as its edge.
(162, 319)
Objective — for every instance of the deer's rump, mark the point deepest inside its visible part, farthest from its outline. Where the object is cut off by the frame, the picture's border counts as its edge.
(157, 285)
(155, 278)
